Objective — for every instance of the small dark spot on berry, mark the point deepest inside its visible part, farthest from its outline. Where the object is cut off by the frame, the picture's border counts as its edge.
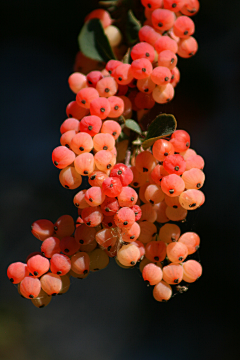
(102, 110)
(85, 272)
(125, 223)
(191, 53)
(83, 102)
(156, 258)
(173, 239)
(198, 185)
(120, 78)
(54, 294)
(107, 209)
(132, 198)
(66, 250)
(132, 237)
(90, 127)
(107, 90)
(35, 273)
(171, 191)
(180, 258)
(166, 78)
(42, 306)
(110, 71)
(76, 204)
(81, 148)
(135, 183)
(96, 269)
(119, 172)
(11, 280)
(144, 69)
(145, 90)
(176, 281)
(192, 205)
(111, 185)
(66, 186)
(109, 248)
(172, 77)
(89, 81)
(187, 144)
(59, 273)
(132, 263)
(160, 24)
(174, 5)
(114, 133)
(93, 177)
(55, 163)
(110, 224)
(109, 166)
(116, 107)
(176, 168)
(55, 228)
(89, 223)
(105, 147)
(85, 172)
(175, 206)
(147, 54)
(172, 60)
(145, 169)
(151, 201)
(166, 154)
(149, 6)
(185, 32)
(67, 146)
(31, 296)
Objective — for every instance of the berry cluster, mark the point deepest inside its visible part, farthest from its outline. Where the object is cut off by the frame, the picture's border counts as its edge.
(125, 212)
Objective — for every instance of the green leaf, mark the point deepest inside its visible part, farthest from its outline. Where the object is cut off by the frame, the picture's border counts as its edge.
(132, 28)
(133, 125)
(163, 125)
(93, 42)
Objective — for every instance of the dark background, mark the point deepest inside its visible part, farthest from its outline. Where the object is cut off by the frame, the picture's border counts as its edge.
(111, 314)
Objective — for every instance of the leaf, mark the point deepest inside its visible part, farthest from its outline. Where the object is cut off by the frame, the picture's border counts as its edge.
(93, 42)
(133, 125)
(132, 28)
(122, 137)
(163, 125)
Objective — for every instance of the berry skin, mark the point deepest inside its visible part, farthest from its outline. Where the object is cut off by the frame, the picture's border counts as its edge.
(157, 174)
(86, 96)
(93, 77)
(152, 274)
(191, 199)
(192, 270)
(123, 173)
(60, 264)
(100, 107)
(100, 14)
(84, 164)
(42, 300)
(110, 206)
(161, 212)
(155, 251)
(90, 124)
(180, 140)
(80, 263)
(108, 222)
(112, 64)
(127, 197)
(94, 196)
(152, 4)
(104, 160)
(38, 265)
(177, 252)
(173, 273)
(148, 230)
(106, 238)
(103, 141)
(148, 213)
(174, 164)
(92, 216)
(111, 127)
(148, 34)
(30, 287)
(81, 143)
(169, 233)
(161, 75)
(65, 139)
(165, 43)
(146, 85)
(141, 68)
(124, 218)
(190, 8)
(51, 283)
(163, 19)
(195, 161)
(42, 229)
(193, 178)
(168, 59)
(139, 179)
(73, 110)
(64, 226)
(162, 291)
(175, 76)
(145, 162)
(137, 211)
(114, 35)
(176, 214)
(98, 260)
(123, 74)
(172, 185)
(97, 178)
(131, 234)
(116, 106)
(79, 200)
(16, 272)
(69, 124)
(85, 235)
(107, 87)
(69, 246)
(112, 187)
(143, 50)
(163, 94)
(161, 149)
(128, 255)
(62, 157)
(77, 81)
(174, 5)
(187, 47)
(183, 27)
(144, 101)
(153, 194)
(191, 240)
(70, 178)
(50, 246)
(172, 201)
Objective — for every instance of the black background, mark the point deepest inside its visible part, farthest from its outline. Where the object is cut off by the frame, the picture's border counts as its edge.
(111, 314)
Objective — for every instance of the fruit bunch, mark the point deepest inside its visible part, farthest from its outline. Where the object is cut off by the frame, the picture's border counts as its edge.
(124, 211)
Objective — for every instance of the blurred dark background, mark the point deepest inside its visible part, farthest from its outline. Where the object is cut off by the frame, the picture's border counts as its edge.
(112, 314)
